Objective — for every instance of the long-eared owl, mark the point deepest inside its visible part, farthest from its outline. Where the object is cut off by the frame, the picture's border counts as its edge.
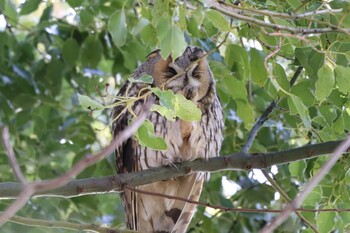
(185, 141)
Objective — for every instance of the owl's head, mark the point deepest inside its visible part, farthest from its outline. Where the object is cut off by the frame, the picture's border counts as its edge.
(189, 74)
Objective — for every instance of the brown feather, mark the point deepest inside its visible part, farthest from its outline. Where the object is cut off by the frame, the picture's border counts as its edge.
(185, 140)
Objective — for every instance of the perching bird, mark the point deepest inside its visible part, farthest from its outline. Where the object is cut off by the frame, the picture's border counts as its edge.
(185, 141)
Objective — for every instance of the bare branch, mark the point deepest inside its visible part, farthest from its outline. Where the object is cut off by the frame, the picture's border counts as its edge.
(236, 161)
(343, 147)
(11, 155)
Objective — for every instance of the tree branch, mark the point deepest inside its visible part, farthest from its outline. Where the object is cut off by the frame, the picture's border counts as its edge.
(236, 161)
(343, 147)
(218, 6)
(11, 155)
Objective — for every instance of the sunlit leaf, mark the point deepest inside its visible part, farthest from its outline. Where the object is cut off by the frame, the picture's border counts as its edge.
(218, 20)
(297, 168)
(146, 137)
(186, 110)
(164, 111)
(325, 221)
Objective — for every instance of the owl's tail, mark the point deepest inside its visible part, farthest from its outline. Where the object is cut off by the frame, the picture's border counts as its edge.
(147, 213)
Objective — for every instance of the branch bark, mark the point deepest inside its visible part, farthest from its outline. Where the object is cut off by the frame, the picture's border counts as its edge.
(236, 161)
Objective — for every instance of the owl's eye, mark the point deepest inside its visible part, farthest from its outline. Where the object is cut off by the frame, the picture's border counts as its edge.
(195, 73)
(171, 72)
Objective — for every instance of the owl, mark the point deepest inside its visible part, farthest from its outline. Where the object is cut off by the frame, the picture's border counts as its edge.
(190, 76)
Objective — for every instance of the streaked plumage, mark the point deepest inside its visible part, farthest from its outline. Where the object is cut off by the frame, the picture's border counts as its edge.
(185, 140)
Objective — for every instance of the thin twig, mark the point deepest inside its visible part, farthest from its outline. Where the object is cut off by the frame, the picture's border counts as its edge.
(65, 225)
(11, 156)
(287, 199)
(313, 182)
(228, 209)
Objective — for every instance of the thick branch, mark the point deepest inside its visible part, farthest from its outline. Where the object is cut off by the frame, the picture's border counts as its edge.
(236, 161)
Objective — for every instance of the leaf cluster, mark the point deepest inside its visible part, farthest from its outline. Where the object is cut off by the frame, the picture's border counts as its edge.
(52, 50)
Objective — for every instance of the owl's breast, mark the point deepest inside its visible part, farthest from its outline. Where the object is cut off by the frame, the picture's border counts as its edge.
(185, 140)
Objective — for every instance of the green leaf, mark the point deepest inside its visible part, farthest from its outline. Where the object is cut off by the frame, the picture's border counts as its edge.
(171, 38)
(75, 3)
(294, 3)
(258, 71)
(88, 103)
(146, 78)
(325, 221)
(218, 20)
(10, 11)
(234, 87)
(147, 35)
(324, 83)
(70, 51)
(164, 111)
(302, 89)
(146, 137)
(296, 106)
(186, 110)
(29, 6)
(297, 169)
(343, 79)
(91, 52)
(166, 98)
(246, 113)
(118, 28)
(314, 197)
(86, 18)
(176, 105)
(237, 59)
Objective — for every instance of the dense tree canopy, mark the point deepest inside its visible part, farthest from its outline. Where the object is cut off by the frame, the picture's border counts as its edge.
(285, 60)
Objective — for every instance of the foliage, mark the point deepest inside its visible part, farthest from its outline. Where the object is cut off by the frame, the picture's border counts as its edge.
(51, 51)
